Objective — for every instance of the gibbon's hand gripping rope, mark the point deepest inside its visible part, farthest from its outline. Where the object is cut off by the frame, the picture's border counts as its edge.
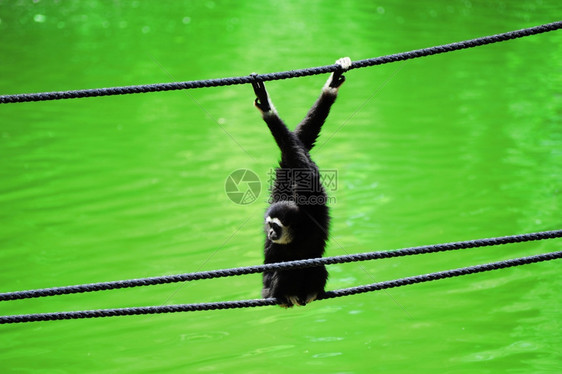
(272, 301)
(102, 286)
(58, 95)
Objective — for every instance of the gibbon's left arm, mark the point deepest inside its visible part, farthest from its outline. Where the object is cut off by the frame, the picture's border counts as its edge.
(291, 151)
(308, 130)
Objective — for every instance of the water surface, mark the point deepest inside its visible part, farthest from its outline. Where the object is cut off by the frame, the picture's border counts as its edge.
(452, 147)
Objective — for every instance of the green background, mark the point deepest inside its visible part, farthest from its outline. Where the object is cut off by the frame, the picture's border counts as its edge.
(458, 146)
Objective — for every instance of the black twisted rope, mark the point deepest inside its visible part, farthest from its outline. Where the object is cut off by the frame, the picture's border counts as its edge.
(272, 301)
(278, 266)
(58, 95)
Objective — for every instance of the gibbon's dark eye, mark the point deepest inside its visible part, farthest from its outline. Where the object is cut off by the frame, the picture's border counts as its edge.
(278, 231)
(275, 227)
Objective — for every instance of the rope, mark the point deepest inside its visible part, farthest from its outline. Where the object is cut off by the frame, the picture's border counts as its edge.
(279, 266)
(272, 301)
(58, 95)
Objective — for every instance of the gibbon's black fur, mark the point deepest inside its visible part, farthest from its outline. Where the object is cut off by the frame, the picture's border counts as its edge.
(297, 221)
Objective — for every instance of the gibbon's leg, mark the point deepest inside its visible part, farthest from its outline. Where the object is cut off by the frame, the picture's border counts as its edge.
(291, 150)
(267, 284)
(308, 130)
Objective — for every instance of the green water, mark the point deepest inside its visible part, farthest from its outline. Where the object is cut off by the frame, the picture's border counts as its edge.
(452, 147)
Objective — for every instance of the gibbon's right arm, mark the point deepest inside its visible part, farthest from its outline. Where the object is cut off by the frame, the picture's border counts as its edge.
(308, 130)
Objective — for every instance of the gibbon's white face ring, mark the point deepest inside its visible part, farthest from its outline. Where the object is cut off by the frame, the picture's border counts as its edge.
(271, 224)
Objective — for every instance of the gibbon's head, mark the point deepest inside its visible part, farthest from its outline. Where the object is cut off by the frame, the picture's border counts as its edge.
(280, 220)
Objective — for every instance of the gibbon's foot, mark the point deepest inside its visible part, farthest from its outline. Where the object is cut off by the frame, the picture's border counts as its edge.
(310, 298)
(293, 300)
(337, 79)
(262, 99)
(290, 301)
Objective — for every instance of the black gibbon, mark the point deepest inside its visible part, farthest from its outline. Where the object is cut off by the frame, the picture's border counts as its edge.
(297, 221)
